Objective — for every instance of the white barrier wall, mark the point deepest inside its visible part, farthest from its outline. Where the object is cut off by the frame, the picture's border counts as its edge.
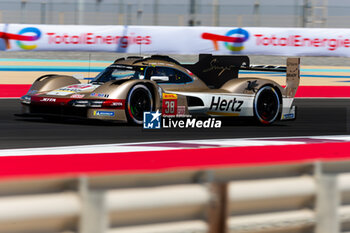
(294, 198)
(176, 40)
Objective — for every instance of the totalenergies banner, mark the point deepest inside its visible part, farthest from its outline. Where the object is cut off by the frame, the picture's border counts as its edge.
(176, 40)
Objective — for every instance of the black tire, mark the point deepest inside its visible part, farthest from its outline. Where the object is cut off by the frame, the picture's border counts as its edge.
(139, 100)
(267, 105)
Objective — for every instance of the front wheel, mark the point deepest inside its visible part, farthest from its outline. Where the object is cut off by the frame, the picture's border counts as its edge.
(139, 100)
(266, 105)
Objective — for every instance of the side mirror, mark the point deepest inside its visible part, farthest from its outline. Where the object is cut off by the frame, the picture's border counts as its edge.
(160, 78)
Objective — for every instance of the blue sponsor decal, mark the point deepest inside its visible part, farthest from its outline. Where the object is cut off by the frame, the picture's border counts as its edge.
(99, 95)
(288, 116)
(103, 113)
(151, 120)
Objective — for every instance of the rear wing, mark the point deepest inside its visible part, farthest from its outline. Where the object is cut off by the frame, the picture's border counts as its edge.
(292, 71)
(217, 70)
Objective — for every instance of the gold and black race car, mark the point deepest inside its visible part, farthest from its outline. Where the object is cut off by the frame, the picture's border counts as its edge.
(134, 85)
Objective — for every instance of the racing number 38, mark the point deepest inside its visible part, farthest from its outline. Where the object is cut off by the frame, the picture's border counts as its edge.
(169, 106)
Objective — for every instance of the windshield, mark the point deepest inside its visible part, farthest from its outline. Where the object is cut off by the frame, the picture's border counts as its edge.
(114, 73)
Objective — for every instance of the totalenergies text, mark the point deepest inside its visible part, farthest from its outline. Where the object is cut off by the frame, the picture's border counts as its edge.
(300, 41)
(91, 38)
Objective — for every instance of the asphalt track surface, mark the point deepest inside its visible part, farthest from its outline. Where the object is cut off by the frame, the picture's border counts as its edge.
(314, 117)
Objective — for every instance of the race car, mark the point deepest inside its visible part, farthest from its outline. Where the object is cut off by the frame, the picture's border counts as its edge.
(134, 85)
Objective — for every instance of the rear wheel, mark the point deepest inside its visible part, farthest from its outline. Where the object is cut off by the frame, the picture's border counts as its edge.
(267, 105)
(138, 101)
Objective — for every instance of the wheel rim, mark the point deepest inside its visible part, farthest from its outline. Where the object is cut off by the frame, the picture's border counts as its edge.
(267, 105)
(139, 101)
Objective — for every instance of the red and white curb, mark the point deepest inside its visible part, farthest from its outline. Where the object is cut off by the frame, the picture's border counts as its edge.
(173, 145)
(162, 156)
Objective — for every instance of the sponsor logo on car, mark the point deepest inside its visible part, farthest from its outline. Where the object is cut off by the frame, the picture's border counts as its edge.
(117, 104)
(223, 104)
(181, 110)
(77, 96)
(72, 89)
(169, 96)
(288, 116)
(100, 95)
(169, 106)
(103, 113)
(48, 100)
(80, 86)
(76, 87)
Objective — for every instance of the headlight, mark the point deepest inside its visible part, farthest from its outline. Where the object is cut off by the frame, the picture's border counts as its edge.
(97, 103)
(87, 103)
(26, 99)
(80, 103)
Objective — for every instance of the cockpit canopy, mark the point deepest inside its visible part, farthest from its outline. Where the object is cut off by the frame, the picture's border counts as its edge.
(158, 74)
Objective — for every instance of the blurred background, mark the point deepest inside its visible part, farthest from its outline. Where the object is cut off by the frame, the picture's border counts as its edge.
(229, 13)
(248, 13)
(309, 196)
